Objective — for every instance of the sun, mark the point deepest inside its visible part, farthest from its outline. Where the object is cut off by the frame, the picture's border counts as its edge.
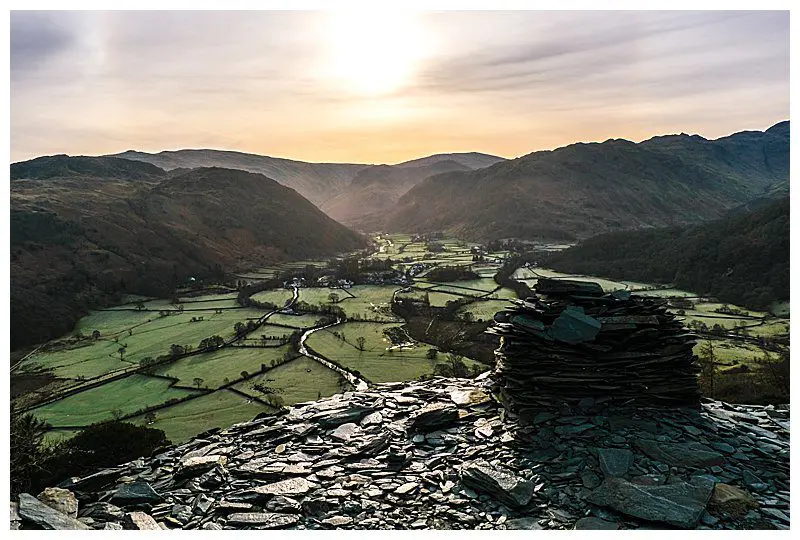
(374, 53)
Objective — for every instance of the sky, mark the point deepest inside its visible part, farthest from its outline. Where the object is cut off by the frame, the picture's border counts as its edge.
(384, 87)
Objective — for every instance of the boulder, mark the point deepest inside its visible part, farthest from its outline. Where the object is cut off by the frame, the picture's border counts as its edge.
(499, 483)
(732, 500)
(135, 493)
(31, 509)
(434, 416)
(679, 504)
(279, 503)
(465, 398)
(194, 466)
(59, 499)
(139, 521)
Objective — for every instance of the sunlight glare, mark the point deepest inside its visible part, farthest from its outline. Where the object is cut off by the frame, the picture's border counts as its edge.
(374, 53)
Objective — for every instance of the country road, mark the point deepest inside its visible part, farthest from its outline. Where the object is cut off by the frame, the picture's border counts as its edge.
(357, 382)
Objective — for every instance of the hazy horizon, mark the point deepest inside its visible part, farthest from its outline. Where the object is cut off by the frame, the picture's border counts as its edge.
(380, 87)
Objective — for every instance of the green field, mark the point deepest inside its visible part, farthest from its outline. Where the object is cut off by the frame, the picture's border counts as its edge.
(295, 321)
(274, 296)
(91, 360)
(505, 292)
(297, 381)
(218, 367)
(110, 322)
(439, 299)
(770, 328)
(375, 362)
(97, 404)
(222, 409)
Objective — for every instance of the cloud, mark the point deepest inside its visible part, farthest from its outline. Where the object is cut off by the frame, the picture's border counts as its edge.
(38, 36)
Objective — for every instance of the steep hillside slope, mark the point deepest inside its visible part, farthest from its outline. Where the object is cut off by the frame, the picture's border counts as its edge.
(79, 240)
(585, 189)
(376, 189)
(317, 182)
(742, 259)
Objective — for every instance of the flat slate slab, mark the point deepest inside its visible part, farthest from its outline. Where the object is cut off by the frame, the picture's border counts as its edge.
(31, 509)
(680, 504)
(501, 484)
(691, 454)
(615, 461)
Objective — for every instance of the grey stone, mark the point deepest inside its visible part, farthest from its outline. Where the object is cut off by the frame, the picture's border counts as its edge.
(614, 461)
(195, 466)
(499, 483)
(723, 447)
(103, 511)
(595, 524)
(434, 416)
(15, 519)
(139, 521)
(111, 526)
(589, 479)
(523, 524)
(263, 520)
(469, 397)
(135, 493)
(290, 486)
(338, 521)
(31, 509)
(279, 503)
(211, 526)
(345, 432)
(679, 504)
(406, 488)
(690, 454)
(59, 499)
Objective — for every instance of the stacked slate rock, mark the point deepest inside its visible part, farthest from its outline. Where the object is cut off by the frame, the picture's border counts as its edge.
(572, 342)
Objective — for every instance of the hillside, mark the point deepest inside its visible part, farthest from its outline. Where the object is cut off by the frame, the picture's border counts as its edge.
(79, 241)
(376, 189)
(585, 189)
(742, 259)
(316, 182)
(470, 160)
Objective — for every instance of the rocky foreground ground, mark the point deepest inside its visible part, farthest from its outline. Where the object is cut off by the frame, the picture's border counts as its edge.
(443, 454)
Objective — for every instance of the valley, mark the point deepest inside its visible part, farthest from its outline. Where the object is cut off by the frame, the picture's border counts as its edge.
(214, 355)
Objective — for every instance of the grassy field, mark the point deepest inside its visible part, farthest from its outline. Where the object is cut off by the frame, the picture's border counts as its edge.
(370, 301)
(505, 292)
(209, 297)
(375, 362)
(110, 323)
(218, 367)
(274, 296)
(222, 409)
(97, 404)
(484, 310)
(295, 321)
(730, 352)
(299, 380)
(439, 299)
(91, 360)
(770, 328)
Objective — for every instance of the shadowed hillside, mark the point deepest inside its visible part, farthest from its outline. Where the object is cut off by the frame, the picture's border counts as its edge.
(742, 259)
(83, 235)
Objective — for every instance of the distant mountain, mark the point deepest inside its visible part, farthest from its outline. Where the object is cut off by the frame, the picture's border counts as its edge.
(63, 166)
(742, 259)
(471, 160)
(78, 241)
(585, 189)
(317, 182)
(375, 190)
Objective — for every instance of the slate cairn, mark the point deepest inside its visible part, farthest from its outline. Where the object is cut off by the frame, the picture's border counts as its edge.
(572, 342)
